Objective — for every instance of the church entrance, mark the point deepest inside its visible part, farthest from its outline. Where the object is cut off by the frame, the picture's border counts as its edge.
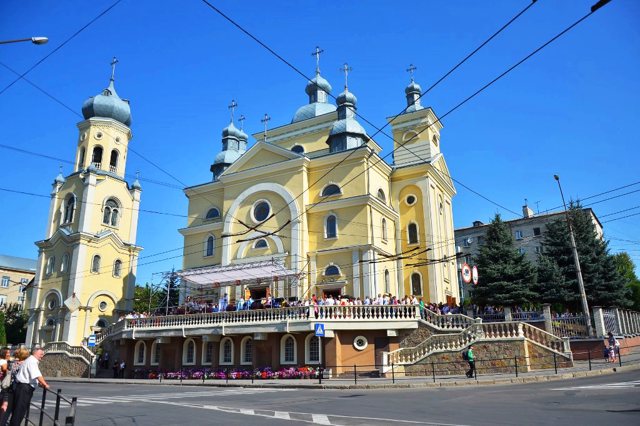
(259, 293)
(334, 292)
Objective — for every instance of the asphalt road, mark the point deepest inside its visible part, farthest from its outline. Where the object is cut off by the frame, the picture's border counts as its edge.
(602, 400)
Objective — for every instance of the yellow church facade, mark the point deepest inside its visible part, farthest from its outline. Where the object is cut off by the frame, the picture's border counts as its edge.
(317, 201)
(86, 267)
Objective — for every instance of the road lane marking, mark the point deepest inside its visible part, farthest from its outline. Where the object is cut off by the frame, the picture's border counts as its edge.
(603, 386)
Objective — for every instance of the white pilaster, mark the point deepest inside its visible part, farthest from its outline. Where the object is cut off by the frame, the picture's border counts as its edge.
(87, 207)
(355, 260)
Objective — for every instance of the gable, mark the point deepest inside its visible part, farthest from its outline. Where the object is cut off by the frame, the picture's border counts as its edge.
(260, 155)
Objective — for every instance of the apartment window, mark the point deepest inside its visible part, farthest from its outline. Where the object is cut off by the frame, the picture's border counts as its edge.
(480, 241)
(3, 300)
(538, 249)
(5, 281)
(519, 235)
(536, 232)
(521, 250)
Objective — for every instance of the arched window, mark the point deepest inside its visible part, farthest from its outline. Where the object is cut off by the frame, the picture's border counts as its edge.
(384, 229)
(213, 213)
(332, 270)
(210, 246)
(155, 353)
(111, 213)
(288, 350)
(64, 265)
(189, 352)
(140, 353)
(381, 196)
(226, 351)
(81, 158)
(416, 284)
(331, 227)
(113, 162)
(246, 351)
(207, 352)
(51, 264)
(117, 268)
(298, 149)
(261, 243)
(69, 208)
(387, 281)
(413, 233)
(331, 190)
(312, 351)
(102, 323)
(96, 157)
(95, 264)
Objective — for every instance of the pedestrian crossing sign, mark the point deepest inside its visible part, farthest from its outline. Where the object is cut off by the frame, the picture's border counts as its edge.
(319, 330)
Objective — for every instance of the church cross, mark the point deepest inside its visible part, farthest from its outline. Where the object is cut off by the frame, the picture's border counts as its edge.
(114, 61)
(346, 69)
(317, 53)
(241, 120)
(265, 120)
(232, 107)
(410, 70)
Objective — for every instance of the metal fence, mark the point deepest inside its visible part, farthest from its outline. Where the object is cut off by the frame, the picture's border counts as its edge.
(611, 321)
(571, 326)
(38, 411)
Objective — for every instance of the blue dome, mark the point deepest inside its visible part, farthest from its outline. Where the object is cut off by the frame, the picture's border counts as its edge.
(108, 105)
(60, 179)
(312, 110)
(232, 131)
(317, 82)
(227, 157)
(347, 125)
(412, 88)
(346, 97)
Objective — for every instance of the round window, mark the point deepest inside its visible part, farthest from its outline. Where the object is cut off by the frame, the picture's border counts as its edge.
(261, 211)
(98, 135)
(411, 199)
(52, 304)
(360, 343)
(103, 306)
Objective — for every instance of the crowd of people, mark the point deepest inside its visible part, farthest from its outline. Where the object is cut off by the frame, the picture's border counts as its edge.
(225, 304)
(19, 375)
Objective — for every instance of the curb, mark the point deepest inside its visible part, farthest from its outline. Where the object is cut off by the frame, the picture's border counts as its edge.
(417, 385)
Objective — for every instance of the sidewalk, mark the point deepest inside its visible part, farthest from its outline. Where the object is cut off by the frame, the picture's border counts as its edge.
(581, 369)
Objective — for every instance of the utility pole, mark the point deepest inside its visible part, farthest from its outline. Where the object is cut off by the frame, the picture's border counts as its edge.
(576, 260)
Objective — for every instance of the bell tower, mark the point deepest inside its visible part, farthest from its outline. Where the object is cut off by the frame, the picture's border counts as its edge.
(87, 262)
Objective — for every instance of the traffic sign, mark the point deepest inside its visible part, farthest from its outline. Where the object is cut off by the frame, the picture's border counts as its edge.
(474, 275)
(466, 273)
(91, 342)
(319, 328)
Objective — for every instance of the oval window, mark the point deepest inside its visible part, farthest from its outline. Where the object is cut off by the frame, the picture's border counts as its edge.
(411, 200)
(261, 211)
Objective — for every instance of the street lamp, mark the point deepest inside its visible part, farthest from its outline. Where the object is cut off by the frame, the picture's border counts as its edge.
(34, 40)
(576, 261)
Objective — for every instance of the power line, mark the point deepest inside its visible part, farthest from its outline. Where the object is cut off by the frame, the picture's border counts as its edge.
(619, 218)
(620, 211)
(60, 46)
(597, 195)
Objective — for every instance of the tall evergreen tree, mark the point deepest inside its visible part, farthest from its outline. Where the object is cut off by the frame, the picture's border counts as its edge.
(506, 277)
(627, 269)
(603, 283)
(551, 286)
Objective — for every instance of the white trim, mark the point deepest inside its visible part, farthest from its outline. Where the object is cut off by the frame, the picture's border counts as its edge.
(247, 240)
(152, 358)
(421, 284)
(52, 291)
(415, 199)
(243, 350)
(360, 346)
(136, 352)
(283, 339)
(184, 352)
(221, 351)
(326, 219)
(253, 207)
(307, 349)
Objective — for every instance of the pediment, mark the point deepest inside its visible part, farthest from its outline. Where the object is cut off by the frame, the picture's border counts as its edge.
(259, 155)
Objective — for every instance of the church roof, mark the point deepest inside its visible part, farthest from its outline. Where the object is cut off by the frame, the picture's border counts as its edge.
(17, 263)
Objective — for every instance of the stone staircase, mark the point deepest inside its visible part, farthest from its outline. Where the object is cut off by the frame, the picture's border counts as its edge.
(453, 333)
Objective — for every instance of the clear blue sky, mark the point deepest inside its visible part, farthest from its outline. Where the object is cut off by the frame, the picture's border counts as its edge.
(571, 110)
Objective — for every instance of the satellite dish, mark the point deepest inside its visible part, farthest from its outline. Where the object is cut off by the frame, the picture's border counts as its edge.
(469, 240)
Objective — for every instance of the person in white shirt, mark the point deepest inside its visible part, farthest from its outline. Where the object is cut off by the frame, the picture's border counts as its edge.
(27, 378)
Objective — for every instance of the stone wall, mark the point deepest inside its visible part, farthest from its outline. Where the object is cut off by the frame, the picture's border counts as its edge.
(542, 358)
(410, 338)
(63, 365)
(491, 357)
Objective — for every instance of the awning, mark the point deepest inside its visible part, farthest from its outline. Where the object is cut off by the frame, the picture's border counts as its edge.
(247, 273)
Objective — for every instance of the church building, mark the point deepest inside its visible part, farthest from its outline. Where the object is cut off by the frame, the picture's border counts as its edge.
(86, 267)
(312, 208)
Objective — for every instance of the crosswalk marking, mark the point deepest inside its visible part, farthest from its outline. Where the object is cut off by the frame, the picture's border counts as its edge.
(89, 401)
(603, 386)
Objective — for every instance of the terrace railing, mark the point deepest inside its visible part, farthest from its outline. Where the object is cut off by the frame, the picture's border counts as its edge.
(370, 313)
(64, 347)
(447, 321)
